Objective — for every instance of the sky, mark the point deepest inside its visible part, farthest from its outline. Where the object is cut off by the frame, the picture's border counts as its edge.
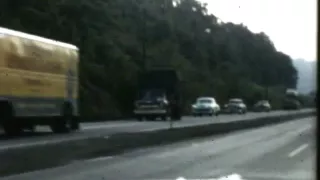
(290, 24)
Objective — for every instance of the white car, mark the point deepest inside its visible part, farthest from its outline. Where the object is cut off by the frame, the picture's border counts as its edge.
(235, 105)
(205, 106)
(262, 106)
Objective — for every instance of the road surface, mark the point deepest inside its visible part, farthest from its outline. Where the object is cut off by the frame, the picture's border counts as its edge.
(103, 129)
(279, 152)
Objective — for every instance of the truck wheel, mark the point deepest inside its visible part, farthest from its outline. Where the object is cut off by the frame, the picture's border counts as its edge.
(139, 118)
(163, 118)
(31, 128)
(11, 128)
(61, 125)
(10, 125)
(64, 123)
(75, 124)
(151, 118)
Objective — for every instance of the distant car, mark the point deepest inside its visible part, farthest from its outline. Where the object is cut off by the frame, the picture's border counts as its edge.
(235, 105)
(205, 106)
(262, 106)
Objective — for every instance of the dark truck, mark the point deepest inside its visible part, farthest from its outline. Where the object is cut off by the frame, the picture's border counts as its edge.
(158, 95)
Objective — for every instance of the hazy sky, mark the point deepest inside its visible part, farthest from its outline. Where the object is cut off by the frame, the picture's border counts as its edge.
(290, 24)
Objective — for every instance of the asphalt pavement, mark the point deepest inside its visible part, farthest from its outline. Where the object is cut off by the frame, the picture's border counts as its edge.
(44, 135)
(278, 152)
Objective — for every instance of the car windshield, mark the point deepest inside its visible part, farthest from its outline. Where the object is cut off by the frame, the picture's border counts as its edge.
(153, 94)
(204, 101)
(235, 101)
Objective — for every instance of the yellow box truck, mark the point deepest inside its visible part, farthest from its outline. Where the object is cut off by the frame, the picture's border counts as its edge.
(38, 83)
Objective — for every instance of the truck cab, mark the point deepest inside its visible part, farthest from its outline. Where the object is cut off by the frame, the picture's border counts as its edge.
(152, 103)
(158, 95)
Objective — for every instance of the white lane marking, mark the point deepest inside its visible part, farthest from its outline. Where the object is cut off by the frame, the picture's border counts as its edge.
(231, 177)
(227, 177)
(181, 178)
(306, 128)
(298, 150)
(167, 154)
(101, 126)
(153, 129)
(221, 142)
(43, 142)
(295, 175)
(93, 160)
(15, 146)
(100, 159)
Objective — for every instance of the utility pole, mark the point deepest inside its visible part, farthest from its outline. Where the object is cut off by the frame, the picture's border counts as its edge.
(267, 92)
(266, 84)
(144, 31)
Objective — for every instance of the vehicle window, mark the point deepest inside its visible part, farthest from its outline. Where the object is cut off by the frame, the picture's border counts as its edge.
(204, 101)
(235, 101)
(263, 102)
(153, 94)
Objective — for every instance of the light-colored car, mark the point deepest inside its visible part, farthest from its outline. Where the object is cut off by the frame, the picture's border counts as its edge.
(262, 106)
(205, 106)
(235, 105)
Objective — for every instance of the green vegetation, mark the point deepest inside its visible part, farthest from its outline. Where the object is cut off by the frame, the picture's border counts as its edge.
(219, 59)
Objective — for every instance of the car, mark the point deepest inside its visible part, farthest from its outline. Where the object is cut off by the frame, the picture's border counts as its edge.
(235, 105)
(205, 106)
(262, 106)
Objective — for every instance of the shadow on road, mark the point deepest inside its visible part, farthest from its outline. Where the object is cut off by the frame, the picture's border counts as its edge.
(23, 135)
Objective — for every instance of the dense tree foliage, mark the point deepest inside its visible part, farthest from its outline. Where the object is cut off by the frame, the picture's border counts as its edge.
(219, 59)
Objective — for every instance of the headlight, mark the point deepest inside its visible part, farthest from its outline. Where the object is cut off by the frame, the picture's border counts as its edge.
(193, 106)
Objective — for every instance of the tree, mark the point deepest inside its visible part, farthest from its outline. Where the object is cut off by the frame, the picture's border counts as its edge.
(116, 36)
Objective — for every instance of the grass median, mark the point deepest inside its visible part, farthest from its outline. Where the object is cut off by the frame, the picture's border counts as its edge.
(21, 160)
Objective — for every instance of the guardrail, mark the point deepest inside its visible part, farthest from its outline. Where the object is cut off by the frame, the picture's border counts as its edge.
(40, 157)
(103, 118)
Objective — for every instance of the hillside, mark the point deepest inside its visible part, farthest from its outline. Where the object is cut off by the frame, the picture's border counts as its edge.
(307, 75)
(118, 38)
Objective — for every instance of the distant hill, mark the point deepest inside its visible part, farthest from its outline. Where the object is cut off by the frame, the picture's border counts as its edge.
(307, 75)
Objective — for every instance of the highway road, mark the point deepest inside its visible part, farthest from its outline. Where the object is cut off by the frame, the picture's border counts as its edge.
(103, 129)
(279, 152)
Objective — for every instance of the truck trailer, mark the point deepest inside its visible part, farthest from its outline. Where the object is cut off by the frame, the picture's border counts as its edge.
(38, 83)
